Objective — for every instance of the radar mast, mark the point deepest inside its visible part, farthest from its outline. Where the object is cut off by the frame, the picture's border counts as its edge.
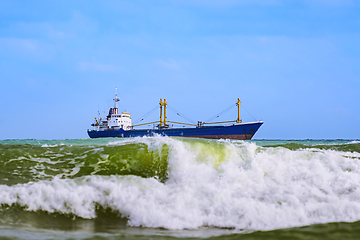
(116, 99)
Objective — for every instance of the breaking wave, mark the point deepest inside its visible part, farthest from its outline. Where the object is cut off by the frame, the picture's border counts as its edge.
(173, 183)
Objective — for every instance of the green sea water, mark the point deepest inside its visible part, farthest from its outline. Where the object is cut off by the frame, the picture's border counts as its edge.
(171, 188)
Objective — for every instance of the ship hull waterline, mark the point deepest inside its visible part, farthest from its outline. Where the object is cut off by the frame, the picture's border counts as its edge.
(240, 131)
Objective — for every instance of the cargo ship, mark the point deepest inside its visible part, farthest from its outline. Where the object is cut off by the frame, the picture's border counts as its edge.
(120, 125)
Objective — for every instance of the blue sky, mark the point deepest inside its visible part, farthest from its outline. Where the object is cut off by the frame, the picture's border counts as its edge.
(294, 64)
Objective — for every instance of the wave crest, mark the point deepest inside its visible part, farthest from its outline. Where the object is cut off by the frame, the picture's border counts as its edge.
(227, 184)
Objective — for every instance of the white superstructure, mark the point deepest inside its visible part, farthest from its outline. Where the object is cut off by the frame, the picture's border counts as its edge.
(117, 121)
(114, 120)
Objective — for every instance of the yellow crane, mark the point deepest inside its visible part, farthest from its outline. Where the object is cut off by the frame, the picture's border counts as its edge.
(163, 118)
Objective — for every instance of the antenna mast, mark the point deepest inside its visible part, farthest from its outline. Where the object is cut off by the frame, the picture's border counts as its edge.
(116, 99)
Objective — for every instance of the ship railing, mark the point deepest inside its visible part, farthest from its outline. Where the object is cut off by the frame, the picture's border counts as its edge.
(218, 122)
(142, 124)
(190, 124)
(136, 125)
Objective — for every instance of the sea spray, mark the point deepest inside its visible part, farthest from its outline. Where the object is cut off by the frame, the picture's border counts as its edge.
(200, 183)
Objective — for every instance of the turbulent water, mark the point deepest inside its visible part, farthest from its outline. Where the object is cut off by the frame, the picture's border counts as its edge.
(170, 188)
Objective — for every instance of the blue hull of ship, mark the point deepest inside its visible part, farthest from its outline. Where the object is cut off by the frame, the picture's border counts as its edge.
(241, 131)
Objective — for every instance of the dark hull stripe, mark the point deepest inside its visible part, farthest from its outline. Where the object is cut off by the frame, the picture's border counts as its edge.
(237, 131)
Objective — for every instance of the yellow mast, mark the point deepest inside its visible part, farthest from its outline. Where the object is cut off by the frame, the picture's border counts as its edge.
(161, 104)
(165, 112)
(162, 123)
(238, 104)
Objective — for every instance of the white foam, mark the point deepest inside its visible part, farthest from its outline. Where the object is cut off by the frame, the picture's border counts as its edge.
(217, 183)
(52, 145)
(46, 145)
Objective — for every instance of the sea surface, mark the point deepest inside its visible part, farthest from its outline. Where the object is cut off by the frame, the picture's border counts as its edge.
(179, 188)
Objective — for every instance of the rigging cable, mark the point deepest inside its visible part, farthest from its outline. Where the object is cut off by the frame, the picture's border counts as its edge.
(182, 115)
(249, 113)
(147, 114)
(218, 115)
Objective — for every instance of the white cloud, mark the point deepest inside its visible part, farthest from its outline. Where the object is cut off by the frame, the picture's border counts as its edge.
(76, 26)
(22, 44)
(26, 47)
